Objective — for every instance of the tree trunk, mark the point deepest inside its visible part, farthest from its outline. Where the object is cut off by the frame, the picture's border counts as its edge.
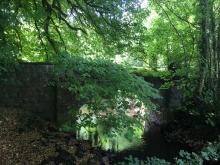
(217, 92)
(203, 43)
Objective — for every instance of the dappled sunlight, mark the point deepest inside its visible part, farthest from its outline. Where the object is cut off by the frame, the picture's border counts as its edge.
(110, 82)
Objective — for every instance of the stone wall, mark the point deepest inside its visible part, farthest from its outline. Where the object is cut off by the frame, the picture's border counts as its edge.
(171, 99)
(29, 88)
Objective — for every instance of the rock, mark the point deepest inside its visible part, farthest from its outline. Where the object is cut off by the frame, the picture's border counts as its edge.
(105, 160)
(93, 162)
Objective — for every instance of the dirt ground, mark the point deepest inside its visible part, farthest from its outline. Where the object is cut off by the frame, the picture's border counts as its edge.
(40, 146)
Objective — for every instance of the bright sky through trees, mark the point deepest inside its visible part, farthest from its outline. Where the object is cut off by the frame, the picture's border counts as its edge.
(144, 3)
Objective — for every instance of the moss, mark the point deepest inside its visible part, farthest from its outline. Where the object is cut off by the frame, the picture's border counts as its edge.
(140, 71)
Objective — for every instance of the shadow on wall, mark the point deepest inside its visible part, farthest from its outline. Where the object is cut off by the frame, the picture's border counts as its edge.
(29, 88)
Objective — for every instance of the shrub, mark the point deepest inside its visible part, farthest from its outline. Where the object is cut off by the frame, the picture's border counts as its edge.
(149, 161)
(106, 89)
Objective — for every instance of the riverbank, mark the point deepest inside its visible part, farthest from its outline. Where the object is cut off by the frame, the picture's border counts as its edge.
(42, 145)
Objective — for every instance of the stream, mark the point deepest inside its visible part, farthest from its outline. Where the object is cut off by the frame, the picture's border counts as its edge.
(154, 145)
(151, 144)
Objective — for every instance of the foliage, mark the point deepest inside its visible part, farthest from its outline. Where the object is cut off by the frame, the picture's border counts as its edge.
(210, 153)
(167, 35)
(8, 51)
(189, 158)
(106, 89)
(7, 65)
(149, 161)
(149, 73)
(37, 30)
(172, 36)
(199, 105)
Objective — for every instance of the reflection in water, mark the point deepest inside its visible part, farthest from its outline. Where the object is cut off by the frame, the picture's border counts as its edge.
(151, 144)
(104, 139)
(117, 143)
(99, 138)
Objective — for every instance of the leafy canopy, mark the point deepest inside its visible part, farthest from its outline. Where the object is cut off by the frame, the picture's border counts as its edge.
(107, 89)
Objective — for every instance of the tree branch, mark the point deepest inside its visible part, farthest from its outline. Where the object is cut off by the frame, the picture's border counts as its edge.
(179, 17)
(171, 23)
